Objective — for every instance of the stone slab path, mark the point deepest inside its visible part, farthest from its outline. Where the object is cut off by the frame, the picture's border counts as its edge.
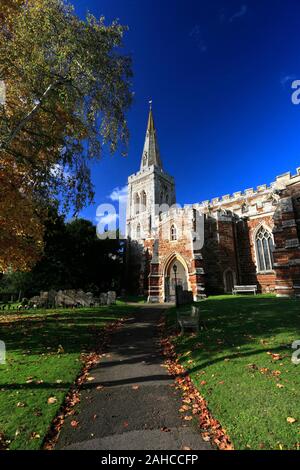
(122, 416)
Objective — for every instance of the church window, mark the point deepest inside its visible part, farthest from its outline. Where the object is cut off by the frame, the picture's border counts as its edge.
(264, 250)
(144, 200)
(138, 231)
(173, 233)
(137, 204)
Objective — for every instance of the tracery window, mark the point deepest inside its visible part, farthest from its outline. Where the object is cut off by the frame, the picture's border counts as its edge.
(264, 249)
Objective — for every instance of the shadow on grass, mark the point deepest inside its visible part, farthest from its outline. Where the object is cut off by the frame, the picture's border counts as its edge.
(232, 323)
(71, 329)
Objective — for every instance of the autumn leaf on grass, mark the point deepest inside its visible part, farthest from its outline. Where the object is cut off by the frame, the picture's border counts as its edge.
(252, 366)
(21, 404)
(279, 385)
(276, 373)
(35, 435)
(51, 400)
(275, 357)
(74, 423)
(291, 420)
(203, 382)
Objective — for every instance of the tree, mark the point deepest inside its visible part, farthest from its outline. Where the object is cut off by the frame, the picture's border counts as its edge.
(67, 91)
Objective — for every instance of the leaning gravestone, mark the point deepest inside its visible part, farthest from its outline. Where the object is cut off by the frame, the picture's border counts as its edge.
(111, 298)
(103, 299)
(52, 298)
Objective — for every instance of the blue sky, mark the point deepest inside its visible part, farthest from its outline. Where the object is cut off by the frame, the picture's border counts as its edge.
(219, 73)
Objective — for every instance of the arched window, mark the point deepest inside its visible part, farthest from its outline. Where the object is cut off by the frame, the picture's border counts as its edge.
(264, 250)
(173, 233)
(137, 203)
(143, 201)
(138, 231)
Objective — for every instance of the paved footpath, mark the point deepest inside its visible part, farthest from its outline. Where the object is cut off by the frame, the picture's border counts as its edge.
(137, 408)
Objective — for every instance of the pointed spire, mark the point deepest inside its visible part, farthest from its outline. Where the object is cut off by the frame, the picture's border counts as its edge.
(151, 154)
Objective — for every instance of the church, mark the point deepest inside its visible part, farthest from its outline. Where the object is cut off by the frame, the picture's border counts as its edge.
(250, 237)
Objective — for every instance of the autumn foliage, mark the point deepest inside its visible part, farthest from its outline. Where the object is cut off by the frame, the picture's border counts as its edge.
(67, 90)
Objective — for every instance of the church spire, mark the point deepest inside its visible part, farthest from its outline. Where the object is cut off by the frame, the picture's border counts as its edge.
(151, 154)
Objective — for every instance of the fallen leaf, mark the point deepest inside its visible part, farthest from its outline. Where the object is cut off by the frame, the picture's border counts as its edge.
(186, 448)
(21, 404)
(74, 423)
(135, 387)
(164, 429)
(188, 418)
(90, 379)
(279, 385)
(276, 373)
(291, 420)
(52, 400)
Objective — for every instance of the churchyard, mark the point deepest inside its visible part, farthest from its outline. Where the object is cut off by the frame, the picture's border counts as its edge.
(240, 361)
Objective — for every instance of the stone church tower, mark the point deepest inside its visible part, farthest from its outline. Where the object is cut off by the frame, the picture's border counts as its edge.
(150, 191)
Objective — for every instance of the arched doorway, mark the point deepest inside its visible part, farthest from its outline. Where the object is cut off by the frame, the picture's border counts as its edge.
(169, 278)
(229, 280)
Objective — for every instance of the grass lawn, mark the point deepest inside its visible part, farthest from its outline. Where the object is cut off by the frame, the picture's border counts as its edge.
(250, 391)
(43, 360)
